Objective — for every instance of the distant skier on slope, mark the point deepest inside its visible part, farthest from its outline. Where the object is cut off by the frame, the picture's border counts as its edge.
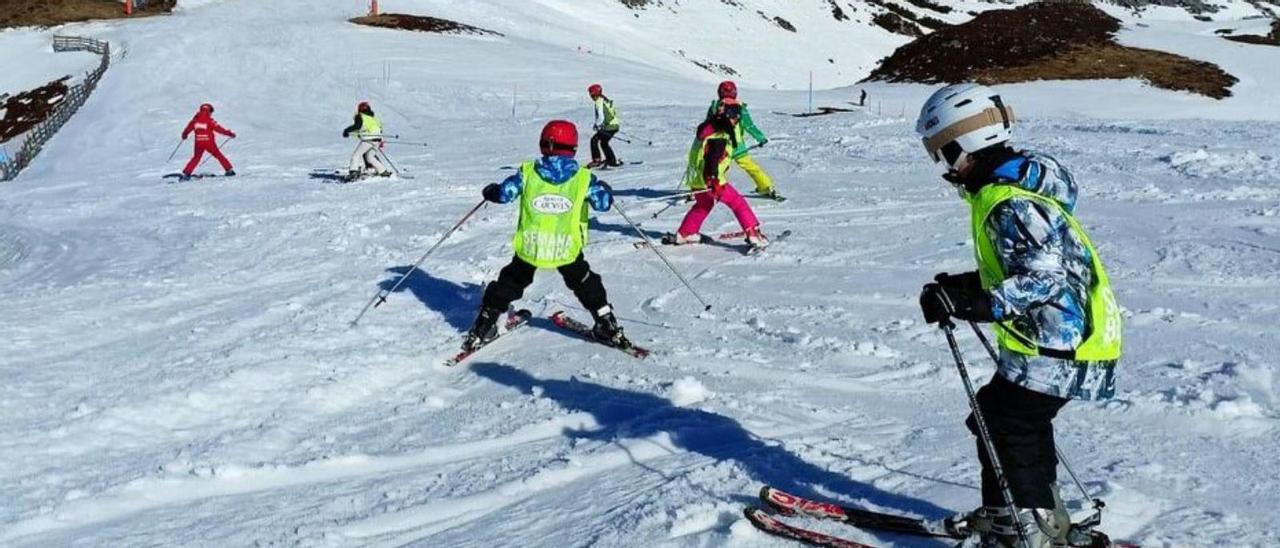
(206, 130)
(707, 173)
(554, 193)
(741, 155)
(606, 126)
(1040, 281)
(368, 129)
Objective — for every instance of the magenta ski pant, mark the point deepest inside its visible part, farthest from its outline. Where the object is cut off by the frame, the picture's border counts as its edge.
(703, 202)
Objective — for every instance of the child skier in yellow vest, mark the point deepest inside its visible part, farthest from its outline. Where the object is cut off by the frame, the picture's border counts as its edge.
(1041, 283)
(554, 193)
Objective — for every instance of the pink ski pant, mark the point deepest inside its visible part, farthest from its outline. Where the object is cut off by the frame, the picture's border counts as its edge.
(703, 203)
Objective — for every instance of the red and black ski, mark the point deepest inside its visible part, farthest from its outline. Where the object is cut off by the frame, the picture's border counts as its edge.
(791, 505)
(788, 504)
(563, 321)
(515, 320)
(776, 527)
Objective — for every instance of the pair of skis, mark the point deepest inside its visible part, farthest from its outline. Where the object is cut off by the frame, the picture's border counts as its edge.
(560, 319)
(670, 239)
(787, 504)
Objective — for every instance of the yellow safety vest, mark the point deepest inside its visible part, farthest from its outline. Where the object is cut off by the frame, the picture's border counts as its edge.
(369, 127)
(553, 218)
(697, 160)
(1102, 340)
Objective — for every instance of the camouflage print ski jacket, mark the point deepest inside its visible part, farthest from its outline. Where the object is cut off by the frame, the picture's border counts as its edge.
(1047, 282)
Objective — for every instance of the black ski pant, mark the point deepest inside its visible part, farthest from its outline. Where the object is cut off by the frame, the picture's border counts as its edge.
(600, 142)
(517, 276)
(1021, 424)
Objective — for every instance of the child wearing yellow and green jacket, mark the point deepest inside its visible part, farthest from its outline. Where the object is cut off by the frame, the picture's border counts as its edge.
(764, 185)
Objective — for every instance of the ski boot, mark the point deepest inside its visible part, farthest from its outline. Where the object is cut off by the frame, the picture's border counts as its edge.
(595, 163)
(386, 173)
(230, 173)
(184, 177)
(607, 329)
(771, 194)
(756, 239)
(351, 176)
(485, 329)
(681, 239)
(994, 527)
(615, 163)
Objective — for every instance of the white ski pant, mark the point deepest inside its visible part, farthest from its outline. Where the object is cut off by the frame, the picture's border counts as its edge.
(366, 154)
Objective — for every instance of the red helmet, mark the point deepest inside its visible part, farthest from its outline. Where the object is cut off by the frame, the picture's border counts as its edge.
(206, 108)
(559, 137)
(727, 89)
(363, 106)
(594, 90)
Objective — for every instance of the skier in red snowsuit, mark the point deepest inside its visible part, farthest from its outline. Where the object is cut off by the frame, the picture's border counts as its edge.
(206, 130)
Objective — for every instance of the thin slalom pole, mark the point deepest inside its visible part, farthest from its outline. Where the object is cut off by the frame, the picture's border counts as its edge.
(654, 247)
(381, 296)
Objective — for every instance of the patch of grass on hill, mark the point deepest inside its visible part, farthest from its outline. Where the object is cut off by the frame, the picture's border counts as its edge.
(48, 13)
(420, 23)
(1045, 41)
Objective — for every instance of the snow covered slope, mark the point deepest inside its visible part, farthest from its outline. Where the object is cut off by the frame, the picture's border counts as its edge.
(179, 370)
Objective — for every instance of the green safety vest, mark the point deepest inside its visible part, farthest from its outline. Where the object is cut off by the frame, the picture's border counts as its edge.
(697, 159)
(611, 121)
(553, 218)
(369, 126)
(1102, 340)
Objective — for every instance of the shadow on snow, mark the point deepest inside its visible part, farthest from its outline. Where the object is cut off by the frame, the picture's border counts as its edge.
(457, 303)
(627, 414)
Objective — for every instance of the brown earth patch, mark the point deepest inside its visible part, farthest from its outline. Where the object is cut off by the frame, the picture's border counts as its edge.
(420, 23)
(1044, 41)
(1271, 39)
(27, 109)
(48, 13)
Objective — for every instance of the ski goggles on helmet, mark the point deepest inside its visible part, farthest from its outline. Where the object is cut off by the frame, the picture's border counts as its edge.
(937, 144)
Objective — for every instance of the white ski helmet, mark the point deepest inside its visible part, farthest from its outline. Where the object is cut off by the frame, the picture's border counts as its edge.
(961, 119)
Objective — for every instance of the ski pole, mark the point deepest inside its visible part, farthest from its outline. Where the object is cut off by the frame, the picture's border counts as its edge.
(667, 197)
(408, 143)
(381, 297)
(220, 145)
(629, 134)
(175, 149)
(991, 351)
(383, 153)
(746, 150)
(654, 247)
(949, 329)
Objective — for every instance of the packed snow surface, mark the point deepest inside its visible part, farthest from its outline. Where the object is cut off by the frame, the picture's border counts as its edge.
(180, 369)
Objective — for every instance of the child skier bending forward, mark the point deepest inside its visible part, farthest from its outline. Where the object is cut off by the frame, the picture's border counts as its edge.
(554, 193)
(709, 162)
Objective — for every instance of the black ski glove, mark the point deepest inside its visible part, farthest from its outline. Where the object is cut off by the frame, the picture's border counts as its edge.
(964, 280)
(345, 134)
(493, 193)
(939, 303)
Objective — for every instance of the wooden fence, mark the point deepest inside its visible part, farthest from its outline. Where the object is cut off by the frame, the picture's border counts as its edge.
(76, 97)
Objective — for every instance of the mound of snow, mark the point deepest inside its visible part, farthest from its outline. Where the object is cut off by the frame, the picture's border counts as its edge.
(688, 391)
(1244, 165)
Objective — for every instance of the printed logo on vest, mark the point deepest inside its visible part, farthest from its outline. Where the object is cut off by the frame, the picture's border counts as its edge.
(552, 204)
